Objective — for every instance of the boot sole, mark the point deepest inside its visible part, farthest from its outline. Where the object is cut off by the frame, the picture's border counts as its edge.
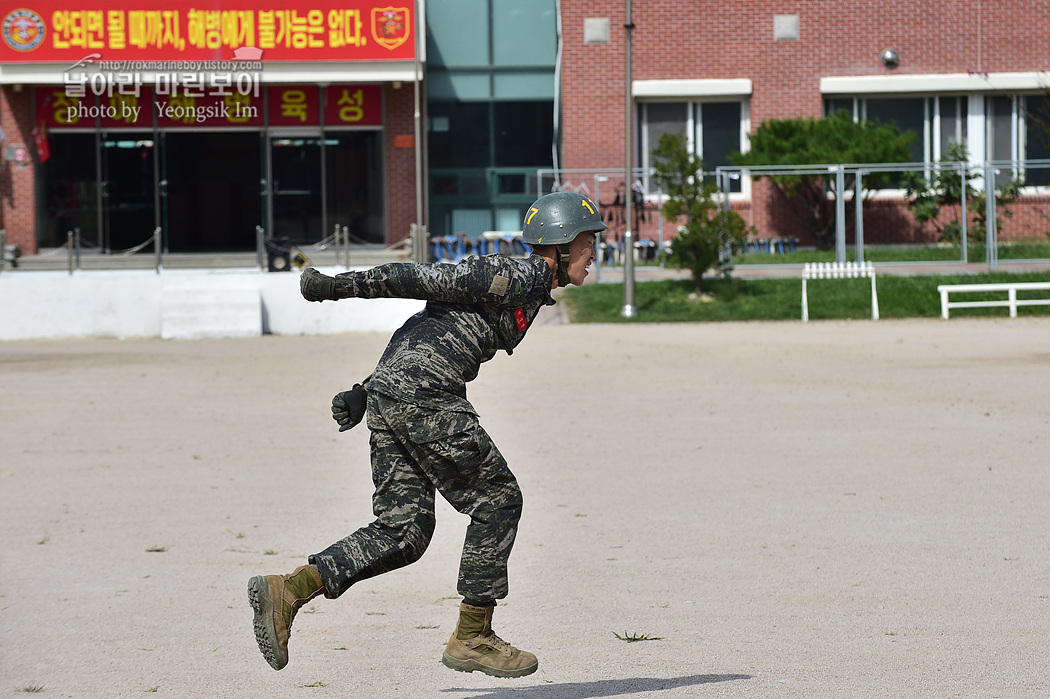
(265, 635)
(472, 665)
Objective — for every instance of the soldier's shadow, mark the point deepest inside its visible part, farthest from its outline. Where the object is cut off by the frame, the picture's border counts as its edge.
(599, 688)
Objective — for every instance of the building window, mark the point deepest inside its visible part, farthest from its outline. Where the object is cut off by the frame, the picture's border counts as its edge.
(1019, 131)
(713, 129)
(1015, 128)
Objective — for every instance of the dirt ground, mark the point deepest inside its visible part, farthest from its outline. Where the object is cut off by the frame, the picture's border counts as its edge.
(832, 509)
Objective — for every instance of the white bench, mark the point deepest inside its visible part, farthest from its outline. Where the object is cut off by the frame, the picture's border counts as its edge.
(838, 270)
(1011, 300)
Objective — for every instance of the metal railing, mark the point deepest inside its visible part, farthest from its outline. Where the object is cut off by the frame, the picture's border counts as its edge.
(983, 175)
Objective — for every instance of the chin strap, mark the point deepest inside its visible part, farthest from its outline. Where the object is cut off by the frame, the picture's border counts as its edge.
(563, 266)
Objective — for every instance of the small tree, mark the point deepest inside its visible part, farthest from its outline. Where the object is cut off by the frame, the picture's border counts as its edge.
(832, 140)
(705, 240)
(927, 198)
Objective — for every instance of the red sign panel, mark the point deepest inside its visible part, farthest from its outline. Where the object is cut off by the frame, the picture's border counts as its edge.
(57, 109)
(353, 105)
(208, 110)
(126, 109)
(130, 105)
(133, 107)
(208, 30)
(294, 105)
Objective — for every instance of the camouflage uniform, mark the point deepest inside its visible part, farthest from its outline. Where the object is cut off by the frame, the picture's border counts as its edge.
(424, 432)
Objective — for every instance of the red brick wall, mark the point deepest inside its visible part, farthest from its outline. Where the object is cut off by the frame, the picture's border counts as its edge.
(694, 39)
(400, 162)
(17, 204)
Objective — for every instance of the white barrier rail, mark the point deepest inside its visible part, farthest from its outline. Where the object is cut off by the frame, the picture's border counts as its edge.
(838, 270)
(1011, 301)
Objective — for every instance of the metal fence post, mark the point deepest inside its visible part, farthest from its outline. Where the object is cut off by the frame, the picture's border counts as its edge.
(991, 244)
(69, 251)
(660, 225)
(963, 214)
(157, 252)
(840, 213)
(259, 233)
(858, 205)
(3, 249)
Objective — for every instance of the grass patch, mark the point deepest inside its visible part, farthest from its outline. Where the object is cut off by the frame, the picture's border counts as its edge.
(32, 689)
(156, 549)
(668, 301)
(635, 638)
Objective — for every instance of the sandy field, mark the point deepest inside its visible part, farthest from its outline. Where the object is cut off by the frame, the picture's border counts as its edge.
(832, 509)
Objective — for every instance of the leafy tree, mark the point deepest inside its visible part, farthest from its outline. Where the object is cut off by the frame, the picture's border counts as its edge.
(703, 243)
(834, 139)
(928, 197)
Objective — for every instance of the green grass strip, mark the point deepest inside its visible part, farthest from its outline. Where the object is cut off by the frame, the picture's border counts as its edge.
(672, 301)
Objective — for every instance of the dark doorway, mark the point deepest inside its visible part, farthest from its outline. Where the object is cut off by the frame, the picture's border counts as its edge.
(211, 190)
(70, 183)
(128, 215)
(296, 163)
(354, 193)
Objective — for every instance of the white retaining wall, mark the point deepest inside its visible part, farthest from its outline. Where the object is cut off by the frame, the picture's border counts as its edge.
(180, 304)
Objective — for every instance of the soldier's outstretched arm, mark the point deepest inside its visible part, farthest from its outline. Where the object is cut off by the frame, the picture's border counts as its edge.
(471, 281)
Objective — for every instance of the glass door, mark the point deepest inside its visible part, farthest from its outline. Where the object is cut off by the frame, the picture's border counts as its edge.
(71, 191)
(295, 175)
(210, 190)
(354, 184)
(128, 211)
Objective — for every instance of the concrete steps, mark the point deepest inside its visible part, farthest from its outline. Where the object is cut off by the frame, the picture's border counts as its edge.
(198, 304)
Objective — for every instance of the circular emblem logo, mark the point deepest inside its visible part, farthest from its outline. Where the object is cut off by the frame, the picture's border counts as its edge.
(23, 30)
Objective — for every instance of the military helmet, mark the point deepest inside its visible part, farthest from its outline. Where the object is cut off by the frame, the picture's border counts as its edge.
(556, 219)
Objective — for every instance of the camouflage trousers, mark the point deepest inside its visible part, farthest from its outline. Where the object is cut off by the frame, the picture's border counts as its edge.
(415, 451)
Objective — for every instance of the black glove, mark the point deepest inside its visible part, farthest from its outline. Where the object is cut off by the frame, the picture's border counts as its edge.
(315, 286)
(348, 407)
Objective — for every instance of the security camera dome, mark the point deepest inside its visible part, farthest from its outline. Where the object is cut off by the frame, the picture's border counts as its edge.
(890, 58)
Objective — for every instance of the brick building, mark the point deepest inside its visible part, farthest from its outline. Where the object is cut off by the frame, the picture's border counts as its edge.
(207, 121)
(510, 88)
(965, 71)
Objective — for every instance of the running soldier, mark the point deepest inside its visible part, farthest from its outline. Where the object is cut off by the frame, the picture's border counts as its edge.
(425, 435)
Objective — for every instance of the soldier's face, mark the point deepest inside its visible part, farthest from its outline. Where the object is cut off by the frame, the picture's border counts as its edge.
(581, 252)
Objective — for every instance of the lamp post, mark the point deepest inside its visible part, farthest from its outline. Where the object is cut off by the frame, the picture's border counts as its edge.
(628, 310)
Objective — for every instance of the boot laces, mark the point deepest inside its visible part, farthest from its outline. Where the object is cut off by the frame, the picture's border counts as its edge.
(496, 642)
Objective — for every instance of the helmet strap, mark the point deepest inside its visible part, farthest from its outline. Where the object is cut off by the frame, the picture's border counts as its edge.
(563, 266)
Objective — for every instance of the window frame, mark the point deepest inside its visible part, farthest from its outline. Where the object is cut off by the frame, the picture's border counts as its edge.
(693, 133)
(973, 89)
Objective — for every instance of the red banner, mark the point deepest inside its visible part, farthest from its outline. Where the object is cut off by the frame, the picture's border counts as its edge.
(59, 110)
(208, 110)
(209, 30)
(353, 105)
(294, 105)
(134, 107)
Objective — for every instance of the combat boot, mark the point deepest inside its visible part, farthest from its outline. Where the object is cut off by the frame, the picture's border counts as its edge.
(474, 646)
(276, 599)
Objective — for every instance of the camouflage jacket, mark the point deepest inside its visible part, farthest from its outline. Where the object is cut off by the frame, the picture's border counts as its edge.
(474, 309)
